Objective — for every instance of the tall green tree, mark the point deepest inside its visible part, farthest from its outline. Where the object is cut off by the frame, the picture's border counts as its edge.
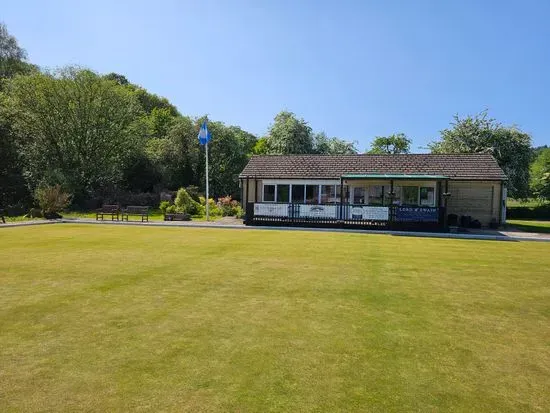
(13, 189)
(510, 146)
(176, 156)
(74, 128)
(540, 175)
(229, 152)
(332, 146)
(393, 144)
(289, 135)
(13, 61)
(13, 58)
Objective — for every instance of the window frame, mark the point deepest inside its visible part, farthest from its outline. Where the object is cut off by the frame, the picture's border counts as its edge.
(277, 193)
(274, 192)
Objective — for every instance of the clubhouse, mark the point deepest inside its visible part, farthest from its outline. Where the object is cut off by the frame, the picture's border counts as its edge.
(411, 191)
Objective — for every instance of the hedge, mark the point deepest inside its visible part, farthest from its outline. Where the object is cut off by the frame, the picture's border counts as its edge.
(541, 212)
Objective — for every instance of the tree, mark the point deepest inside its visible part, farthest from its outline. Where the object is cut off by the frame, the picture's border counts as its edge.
(13, 189)
(159, 121)
(479, 134)
(176, 156)
(536, 151)
(332, 146)
(74, 128)
(260, 148)
(229, 153)
(393, 144)
(120, 79)
(150, 101)
(540, 175)
(12, 56)
(289, 135)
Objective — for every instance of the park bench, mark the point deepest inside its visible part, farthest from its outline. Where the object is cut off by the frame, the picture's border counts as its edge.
(177, 216)
(142, 211)
(2, 216)
(112, 210)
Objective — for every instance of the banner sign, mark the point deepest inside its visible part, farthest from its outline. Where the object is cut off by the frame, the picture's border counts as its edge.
(318, 211)
(271, 210)
(370, 213)
(416, 214)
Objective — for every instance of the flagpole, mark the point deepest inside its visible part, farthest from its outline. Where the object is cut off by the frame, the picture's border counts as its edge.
(207, 206)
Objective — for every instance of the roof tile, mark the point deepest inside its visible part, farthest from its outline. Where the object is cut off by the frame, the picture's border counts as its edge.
(455, 166)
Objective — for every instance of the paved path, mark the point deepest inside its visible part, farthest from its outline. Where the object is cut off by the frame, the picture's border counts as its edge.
(233, 223)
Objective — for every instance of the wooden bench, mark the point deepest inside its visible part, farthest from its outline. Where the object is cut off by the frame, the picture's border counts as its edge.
(112, 210)
(142, 211)
(178, 216)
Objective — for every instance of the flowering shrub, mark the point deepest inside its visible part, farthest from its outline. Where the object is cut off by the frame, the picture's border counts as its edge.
(228, 206)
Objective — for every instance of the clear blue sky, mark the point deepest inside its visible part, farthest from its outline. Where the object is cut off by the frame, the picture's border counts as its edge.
(355, 69)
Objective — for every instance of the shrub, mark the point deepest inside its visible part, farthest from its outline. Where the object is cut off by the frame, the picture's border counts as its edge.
(163, 206)
(239, 212)
(184, 203)
(193, 192)
(212, 207)
(171, 209)
(52, 199)
(538, 212)
(201, 211)
(228, 206)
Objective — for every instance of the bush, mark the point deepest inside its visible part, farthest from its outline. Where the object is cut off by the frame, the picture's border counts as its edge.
(171, 210)
(239, 212)
(228, 206)
(52, 199)
(212, 207)
(193, 192)
(163, 206)
(541, 212)
(184, 203)
(201, 211)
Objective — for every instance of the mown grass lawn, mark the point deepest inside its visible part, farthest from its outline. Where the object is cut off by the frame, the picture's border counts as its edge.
(125, 318)
(530, 225)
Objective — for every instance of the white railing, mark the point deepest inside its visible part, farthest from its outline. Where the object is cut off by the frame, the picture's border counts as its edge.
(358, 212)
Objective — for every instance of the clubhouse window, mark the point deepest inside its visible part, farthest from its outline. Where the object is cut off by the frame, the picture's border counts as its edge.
(269, 193)
(283, 193)
(298, 193)
(312, 194)
(376, 195)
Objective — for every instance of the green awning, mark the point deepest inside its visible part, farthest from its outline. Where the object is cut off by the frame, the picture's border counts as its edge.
(392, 176)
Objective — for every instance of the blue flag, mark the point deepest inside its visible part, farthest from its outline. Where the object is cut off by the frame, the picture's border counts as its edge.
(204, 135)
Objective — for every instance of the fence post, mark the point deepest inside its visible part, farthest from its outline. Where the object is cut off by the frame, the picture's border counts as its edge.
(249, 213)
